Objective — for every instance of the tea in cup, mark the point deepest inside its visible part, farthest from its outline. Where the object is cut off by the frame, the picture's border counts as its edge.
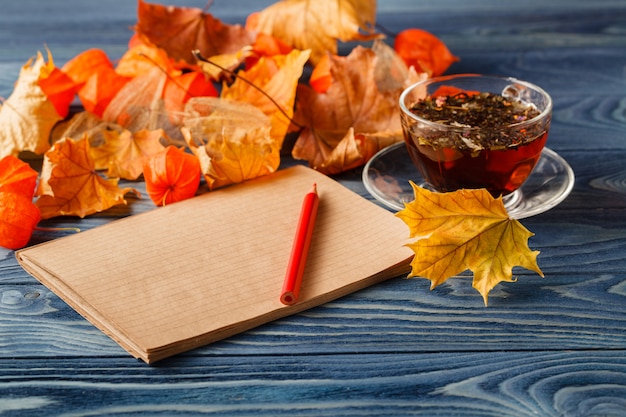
(475, 131)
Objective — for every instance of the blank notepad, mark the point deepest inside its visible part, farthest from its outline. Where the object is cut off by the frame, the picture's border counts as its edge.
(197, 271)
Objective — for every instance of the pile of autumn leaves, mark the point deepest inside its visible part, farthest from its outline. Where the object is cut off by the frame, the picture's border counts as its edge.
(228, 93)
(194, 97)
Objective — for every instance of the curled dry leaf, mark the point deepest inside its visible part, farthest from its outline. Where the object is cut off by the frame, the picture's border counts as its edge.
(317, 25)
(156, 100)
(231, 139)
(28, 115)
(171, 175)
(139, 104)
(357, 115)
(181, 30)
(70, 185)
(466, 229)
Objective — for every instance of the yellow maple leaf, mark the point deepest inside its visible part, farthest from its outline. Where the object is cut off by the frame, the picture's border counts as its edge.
(28, 116)
(231, 140)
(70, 185)
(124, 153)
(466, 229)
(317, 25)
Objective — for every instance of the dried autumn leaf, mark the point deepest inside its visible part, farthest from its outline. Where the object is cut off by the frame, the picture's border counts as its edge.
(18, 217)
(317, 25)
(357, 115)
(139, 104)
(424, 51)
(179, 89)
(180, 30)
(266, 45)
(70, 185)
(80, 124)
(27, 116)
(221, 67)
(171, 175)
(276, 77)
(466, 229)
(124, 153)
(230, 139)
(142, 58)
(17, 176)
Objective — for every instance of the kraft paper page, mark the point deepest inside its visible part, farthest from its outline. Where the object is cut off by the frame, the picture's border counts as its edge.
(197, 271)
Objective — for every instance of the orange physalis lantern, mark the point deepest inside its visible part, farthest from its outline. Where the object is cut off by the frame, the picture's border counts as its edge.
(321, 78)
(171, 175)
(18, 215)
(424, 51)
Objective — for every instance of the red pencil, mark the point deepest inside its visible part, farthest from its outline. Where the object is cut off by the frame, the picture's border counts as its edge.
(300, 248)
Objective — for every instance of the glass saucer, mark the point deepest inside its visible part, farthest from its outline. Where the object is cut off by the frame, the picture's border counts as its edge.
(386, 177)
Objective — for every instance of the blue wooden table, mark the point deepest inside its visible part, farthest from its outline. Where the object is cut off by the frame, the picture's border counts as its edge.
(553, 346)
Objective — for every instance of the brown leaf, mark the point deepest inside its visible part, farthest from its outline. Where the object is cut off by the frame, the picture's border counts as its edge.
(466, 229)
(360, 107)
(70, 185)
(180, 30)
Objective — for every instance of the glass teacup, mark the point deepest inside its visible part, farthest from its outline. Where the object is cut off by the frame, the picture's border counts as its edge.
(475, 131)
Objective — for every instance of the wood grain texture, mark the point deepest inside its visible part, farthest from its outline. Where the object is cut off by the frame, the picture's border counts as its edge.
(553, 346)
(503, 384)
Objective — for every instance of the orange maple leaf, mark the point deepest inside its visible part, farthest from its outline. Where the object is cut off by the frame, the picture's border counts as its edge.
(230, 139)
(357, 115)
(124, 153)
(28, 115)
(70, 185)
(466, 229)
(276, 77)
(181, 30)
(317, 25)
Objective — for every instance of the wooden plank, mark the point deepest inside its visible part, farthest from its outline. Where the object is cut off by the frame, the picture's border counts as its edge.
(574, 311)
(505, 383)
